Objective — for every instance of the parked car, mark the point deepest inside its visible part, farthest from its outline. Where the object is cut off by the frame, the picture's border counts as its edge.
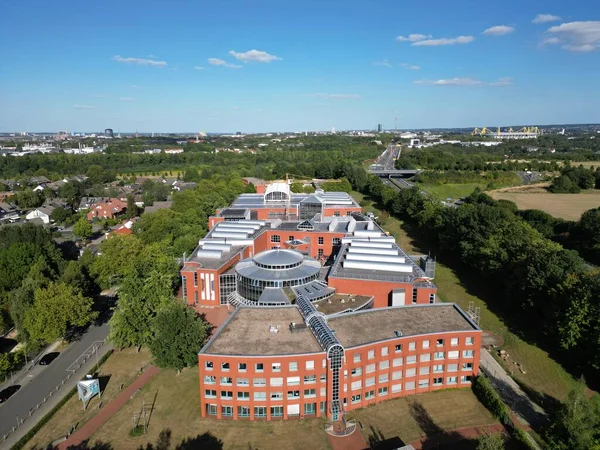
(48, 358)
(5, 394)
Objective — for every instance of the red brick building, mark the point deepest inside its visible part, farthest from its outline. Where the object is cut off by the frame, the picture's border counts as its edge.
(108, 209)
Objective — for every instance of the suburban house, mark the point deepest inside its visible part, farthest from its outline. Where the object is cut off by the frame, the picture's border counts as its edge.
(8, 212)
(43, 213)
(108, 209)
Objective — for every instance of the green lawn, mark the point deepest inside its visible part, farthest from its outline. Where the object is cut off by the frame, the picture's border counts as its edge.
(453, 191)
(543, 374)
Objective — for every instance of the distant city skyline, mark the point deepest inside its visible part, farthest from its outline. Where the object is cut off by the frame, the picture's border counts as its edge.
(271, 66)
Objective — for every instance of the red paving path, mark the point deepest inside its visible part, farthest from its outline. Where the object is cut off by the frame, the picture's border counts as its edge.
(355, 441)
(109, 410)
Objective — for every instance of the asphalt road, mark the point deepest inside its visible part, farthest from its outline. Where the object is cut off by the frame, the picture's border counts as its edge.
(41, 380)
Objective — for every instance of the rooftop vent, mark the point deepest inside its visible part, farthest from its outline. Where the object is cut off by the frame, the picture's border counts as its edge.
(273, 329)
(398, 333)
(294, 327)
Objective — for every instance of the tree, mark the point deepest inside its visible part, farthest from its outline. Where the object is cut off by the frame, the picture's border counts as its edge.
(191, 174)
(576, 424)
(131, 207)
(491, 442)
(83, 228)
(178, 336)
(9, 362)
(55, 309)
(60, 215)
(117, 256)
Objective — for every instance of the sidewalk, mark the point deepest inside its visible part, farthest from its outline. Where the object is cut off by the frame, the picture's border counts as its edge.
(109, 410)
(60, 392)
(30, 365)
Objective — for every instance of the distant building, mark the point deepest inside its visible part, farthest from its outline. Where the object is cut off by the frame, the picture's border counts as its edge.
(43, 213)
(173, 151)
(379, 128)
(109, 133)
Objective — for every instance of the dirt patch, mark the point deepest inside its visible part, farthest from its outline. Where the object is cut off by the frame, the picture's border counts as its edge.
(538, 188)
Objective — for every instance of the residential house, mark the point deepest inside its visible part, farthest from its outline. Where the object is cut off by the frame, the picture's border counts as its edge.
(108, 209)
(43, 213)
(89, 202)
(8, 213)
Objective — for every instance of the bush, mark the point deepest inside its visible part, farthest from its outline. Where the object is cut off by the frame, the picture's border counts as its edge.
(488, 396)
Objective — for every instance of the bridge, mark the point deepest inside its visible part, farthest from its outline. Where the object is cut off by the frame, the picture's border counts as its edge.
(394, 173)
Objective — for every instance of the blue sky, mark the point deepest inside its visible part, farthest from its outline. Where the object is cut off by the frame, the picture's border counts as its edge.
(296, 65)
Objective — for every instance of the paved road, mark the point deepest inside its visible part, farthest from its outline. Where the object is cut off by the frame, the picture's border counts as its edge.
(41, 380)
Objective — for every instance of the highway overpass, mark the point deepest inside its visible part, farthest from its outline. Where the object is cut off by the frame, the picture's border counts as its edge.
(394, 173)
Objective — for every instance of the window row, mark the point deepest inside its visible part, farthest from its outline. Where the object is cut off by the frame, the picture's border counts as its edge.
(290, 395)
(260, 367)
(273, 381)
(412, 346)
(261, 411)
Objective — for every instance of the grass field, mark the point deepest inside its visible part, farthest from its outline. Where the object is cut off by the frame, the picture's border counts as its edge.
(564, 206)
(588, 164)
(120, 368)
(453, 191)
(413, 417)
(177, 409)
(543, 374)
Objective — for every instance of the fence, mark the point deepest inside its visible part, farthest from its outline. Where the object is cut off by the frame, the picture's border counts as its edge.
(73, 368)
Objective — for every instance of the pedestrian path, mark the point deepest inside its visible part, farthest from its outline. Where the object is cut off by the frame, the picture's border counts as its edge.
(354, 441)
(109, 410)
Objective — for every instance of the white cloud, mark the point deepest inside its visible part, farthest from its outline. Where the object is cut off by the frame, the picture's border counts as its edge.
(545, 18)
(465, 82)
(220, 62)
(576, 36)
(199, 68)
(334, 96)
(384, 63)
(410, 67)
(498, 30)
(140, 61)
(444, 41)
(254, 56)
(414, 37)
(126, 99)
(84, 107)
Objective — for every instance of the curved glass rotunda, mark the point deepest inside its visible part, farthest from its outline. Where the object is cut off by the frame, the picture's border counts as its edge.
(263, 277)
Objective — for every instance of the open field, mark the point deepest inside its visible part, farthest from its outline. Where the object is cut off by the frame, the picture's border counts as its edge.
(588, 164)
(120, 368)
(176, 401)
(543, 373)
(453, 191)
(564, 206)
(413, 417)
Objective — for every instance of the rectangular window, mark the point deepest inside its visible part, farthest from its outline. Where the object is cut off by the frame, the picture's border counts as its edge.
(465, 379)
(226, 381)
(227, 411)
(276, 411)
(438, 381)
(453, 342)
(424, 370)
(438, 368)
(371, 354)
(208, 365)
(382, 391)
(384, 365)
(336, 213)
(356, 385)
(260, 395)
(369, 395)
(431, 298)
(243, 411)
(276, 382)
(423, 384)
(290, 238)
(336, 241)
(208, 379)
(370, 368)
(211, 410)
(398, 348)
(293, 381)
(196, 279)
(414, 296)
(242, 367)
(320, 240)
(320, 253)
(438, 355)
(323, 391)
(310, 392)
(384, 378)
(452, 367)
(396, 388)
(323, 377)
(425, 344)
(293, 394)
(196, 298)
(356, 357)
(469, 341)
(276, 395)
(356, 371)
(293, 366)
(259, 367)
(412, 346)
(242, 382)
(276, 367)
(439, 343)
(310, 409)
(355, 398)
(275, 238)
(453, 354)
(226, 394)
(384, 351)
(259, 381)
(411, 359)
(467, 366)
(309, 379)
(210, 393)
(397, 375)
(370, 381)
(410, 372)
(260, 411)
(183, 289)
(397, 362)
(310, 365)
(322, 406)
(425, 357)
(452, 380)
(243, 395)
(225, 366)
(409, 386)
(468, 353)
